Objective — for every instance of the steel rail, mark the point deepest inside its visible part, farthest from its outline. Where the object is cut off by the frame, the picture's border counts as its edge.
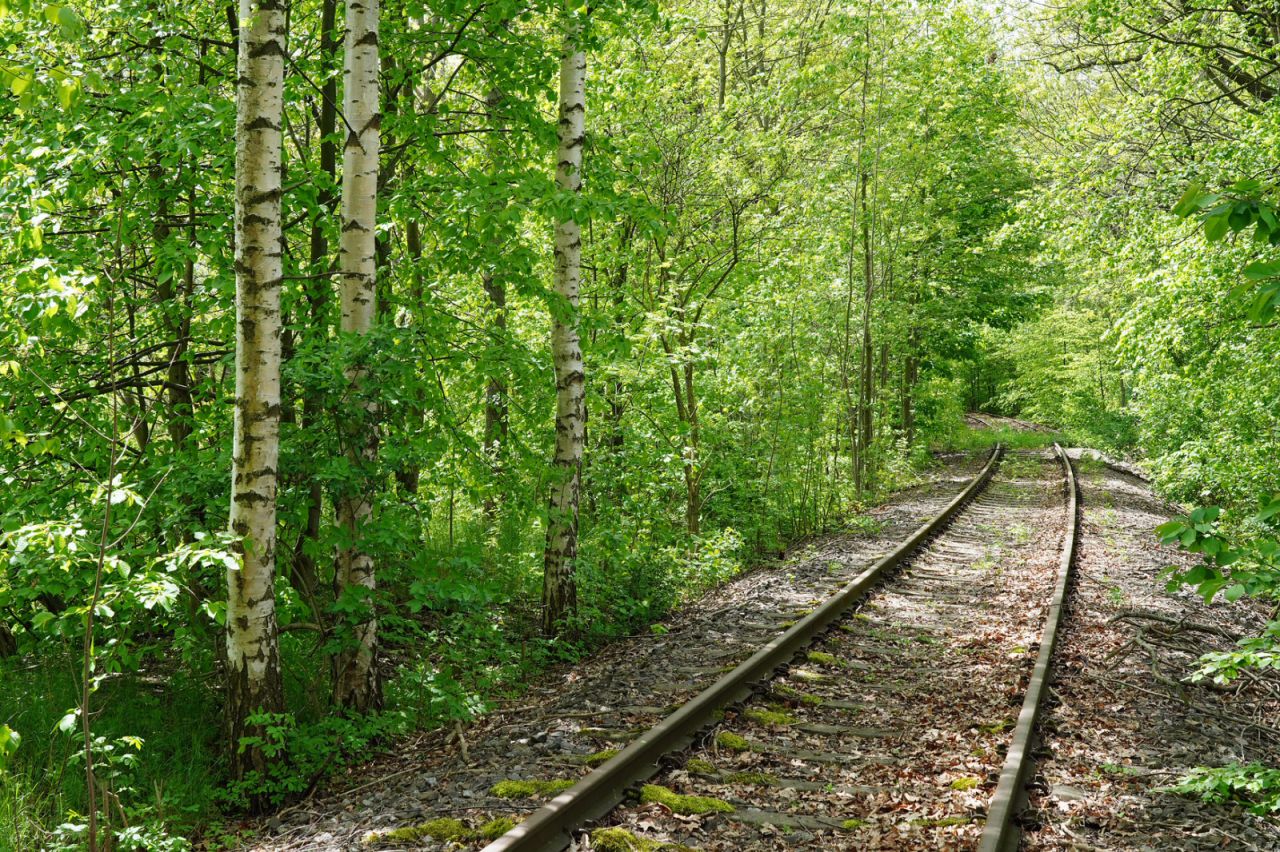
(1002, 832)
(550, 828)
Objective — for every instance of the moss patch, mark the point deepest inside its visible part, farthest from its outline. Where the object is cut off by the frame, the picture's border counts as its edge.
(732, 742)
(698, 766)
(685, 805)
(621, 840)
(511, 789)
(769, 717)
(445, 828)
(792, 694)
(599, 757)
(495, 828)
(822, 658)
(763, 779)
(965, 782)
(854, 824)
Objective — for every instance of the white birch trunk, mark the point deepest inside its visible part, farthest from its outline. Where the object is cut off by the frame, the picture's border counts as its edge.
(355, 674)
(559, 591)
(253, 660)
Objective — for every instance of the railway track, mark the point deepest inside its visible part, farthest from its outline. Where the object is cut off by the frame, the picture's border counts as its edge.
(897, 714)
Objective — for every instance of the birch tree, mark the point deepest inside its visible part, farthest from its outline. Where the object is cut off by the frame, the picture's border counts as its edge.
(253, 657)
(559, 589)
(355, 673)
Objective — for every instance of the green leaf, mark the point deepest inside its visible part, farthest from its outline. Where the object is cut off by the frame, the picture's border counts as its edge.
(1197, 575)
(1264, 303)
(1216, 227)
(1270, 508)
(68, 22)
(1211, 587)
(22, 78)
(67, 90)
(1260, 270)
(9, 742)
(1195, 198)
(1234, 593)
(67, 723)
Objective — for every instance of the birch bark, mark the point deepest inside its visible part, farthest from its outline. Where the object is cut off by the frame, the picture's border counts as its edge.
(253, 659)
(559, 590)
(355, 672)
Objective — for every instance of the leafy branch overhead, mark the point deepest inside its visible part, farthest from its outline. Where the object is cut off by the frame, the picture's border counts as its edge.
(1241, 207)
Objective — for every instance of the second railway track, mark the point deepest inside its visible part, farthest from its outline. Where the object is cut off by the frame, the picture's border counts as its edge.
(896, 715)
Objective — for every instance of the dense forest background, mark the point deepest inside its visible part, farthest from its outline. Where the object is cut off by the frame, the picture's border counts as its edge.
(813, 236)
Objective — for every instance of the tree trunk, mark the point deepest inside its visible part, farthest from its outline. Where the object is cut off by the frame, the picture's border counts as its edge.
(616, 393)
(305, 571)
(495, 391)
(408, 474)
(559, 589)
(910, 374)
(865, 396)
(253, 658)
(692, 462)
(177, 324)
(355, 671)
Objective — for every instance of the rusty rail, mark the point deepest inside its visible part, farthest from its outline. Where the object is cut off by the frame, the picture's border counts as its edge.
(549, 829)
(1002, 832)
